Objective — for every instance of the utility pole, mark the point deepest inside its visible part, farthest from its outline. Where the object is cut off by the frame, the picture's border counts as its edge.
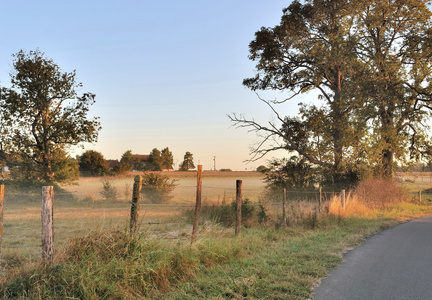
(214, 160)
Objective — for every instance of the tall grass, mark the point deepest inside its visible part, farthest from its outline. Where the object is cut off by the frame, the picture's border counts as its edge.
(117, 265)
(369, 198)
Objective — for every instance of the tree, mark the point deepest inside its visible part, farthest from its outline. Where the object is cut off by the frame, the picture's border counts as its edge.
(262, 169)
(187, 163)
(167, 159)
(154, 162)
(394, 45)
(127, 161)
(293, 173)
(43, 115)
(309, 50)
(93, 163)
(159, 160)
(368, 60)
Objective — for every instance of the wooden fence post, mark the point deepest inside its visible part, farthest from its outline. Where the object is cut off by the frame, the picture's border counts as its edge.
(47, 222)
(136, 194)
(420, 197)
(343, 199)
(238, 206)
(197, 204)
(320, 199)
(1, 214)
(284, 198)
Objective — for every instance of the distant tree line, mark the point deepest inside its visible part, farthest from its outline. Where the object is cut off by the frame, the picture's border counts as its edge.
(93, 163)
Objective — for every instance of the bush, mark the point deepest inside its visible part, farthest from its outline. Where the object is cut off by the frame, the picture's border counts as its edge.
(226, 214)
(157, 187)
(108, 192)
(378, 193)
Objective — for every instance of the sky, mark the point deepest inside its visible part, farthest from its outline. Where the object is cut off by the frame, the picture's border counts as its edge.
(165, 73)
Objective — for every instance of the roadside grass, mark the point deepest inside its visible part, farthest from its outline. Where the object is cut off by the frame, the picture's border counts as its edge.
(262, 263)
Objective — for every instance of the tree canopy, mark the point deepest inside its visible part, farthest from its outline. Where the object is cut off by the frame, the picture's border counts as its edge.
(369, 62)
(187, 163)
(42, 115)
(93, 163)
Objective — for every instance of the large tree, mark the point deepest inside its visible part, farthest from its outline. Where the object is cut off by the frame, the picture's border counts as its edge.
(43, 115)
(167, 159)
(93, 163)
(310, 50)
(369, 62)
(394, 46)
(187, 163)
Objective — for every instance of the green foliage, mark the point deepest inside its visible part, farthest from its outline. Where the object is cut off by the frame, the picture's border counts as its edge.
(65, 169)
(109, 191)
(369, 63)
(167, 159)
(159, 160)
(127, 162)
(93, 163)
(225, 170)
(187, 163)
(157, 187)
(226, 214)
(154, 162)
(261, 168)
(292, 174)
(46, 114)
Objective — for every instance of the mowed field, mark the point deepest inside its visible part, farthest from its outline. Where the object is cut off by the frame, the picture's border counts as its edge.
(81, 209)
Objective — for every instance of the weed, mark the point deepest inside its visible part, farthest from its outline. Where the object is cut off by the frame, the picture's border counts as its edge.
(262, 214)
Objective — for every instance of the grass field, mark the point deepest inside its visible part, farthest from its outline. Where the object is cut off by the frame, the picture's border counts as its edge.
(88, 211)
(266, 262)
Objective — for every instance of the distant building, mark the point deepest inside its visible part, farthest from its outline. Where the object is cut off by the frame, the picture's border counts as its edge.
(141, 158)
(112, 163)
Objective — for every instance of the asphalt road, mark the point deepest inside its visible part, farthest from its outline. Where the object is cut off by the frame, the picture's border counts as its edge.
(393, 264)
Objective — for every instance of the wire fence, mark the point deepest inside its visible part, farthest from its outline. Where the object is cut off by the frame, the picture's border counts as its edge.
(75, 213)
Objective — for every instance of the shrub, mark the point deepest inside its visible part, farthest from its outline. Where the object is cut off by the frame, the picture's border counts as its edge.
(226, 214)
(156, 187)
(378, 193)
(108, 192)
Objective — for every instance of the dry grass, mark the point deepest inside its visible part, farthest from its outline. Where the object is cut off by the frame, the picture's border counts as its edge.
(369, 198)
(216, 186)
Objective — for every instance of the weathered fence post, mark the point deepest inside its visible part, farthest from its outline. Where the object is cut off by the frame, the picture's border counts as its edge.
(136, 194)
(238, 206)
(197, 204)
(320, 199)
(284, 198)
(47, 222)
(420, 197)
(1, 214)
(343, 199)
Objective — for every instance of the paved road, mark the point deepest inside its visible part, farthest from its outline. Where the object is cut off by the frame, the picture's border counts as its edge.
(393, 264)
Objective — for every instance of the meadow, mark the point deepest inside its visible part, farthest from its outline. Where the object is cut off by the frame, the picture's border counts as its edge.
(80, 208)
(97, 259)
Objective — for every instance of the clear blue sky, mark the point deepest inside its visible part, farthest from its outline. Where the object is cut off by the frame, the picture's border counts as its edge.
(165, 73)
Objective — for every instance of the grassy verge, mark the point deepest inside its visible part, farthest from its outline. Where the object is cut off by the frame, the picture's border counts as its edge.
(263, 263)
